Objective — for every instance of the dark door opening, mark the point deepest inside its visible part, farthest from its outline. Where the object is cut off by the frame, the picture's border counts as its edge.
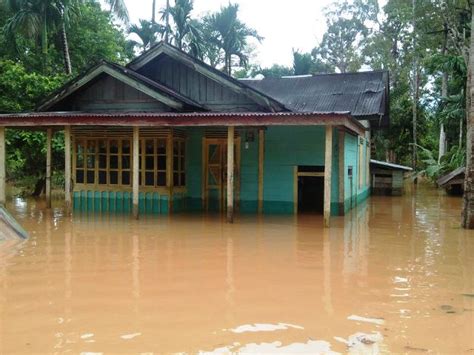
(311, 194)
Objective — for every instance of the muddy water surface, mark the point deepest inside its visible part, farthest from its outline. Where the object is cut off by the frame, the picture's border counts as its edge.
(396, 275)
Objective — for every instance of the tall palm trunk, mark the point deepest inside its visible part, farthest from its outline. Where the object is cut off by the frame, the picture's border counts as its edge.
(415, 91)
(444, 94)
(66, 55)
(167, 22)
(153, 12)
(468, 199)
(44, 42)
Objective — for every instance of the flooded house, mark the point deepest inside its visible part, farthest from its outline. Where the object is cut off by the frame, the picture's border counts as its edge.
(453, 182)
(168, 134)
(388, 178)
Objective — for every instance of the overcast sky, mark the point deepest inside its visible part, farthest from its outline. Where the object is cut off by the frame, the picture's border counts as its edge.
(285, 24)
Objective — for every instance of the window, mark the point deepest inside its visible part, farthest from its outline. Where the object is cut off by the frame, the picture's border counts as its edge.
(153, 162)
(179, 170)
(108, 161)
(103, 162)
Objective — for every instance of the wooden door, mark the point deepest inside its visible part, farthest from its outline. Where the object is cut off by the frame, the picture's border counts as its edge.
(215, 174)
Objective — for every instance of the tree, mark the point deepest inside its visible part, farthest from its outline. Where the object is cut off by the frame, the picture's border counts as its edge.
(468, 199)
(119, 9)
(35, 19)
(148, 32)
(347, 28)
(231, 35)
(181, 15)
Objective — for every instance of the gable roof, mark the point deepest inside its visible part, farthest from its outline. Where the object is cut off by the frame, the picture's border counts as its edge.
(201, 67)
(363, 94)
(457, 174)
(149, 87)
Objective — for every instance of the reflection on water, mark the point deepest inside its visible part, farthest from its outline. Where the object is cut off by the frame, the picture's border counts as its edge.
(395, 275)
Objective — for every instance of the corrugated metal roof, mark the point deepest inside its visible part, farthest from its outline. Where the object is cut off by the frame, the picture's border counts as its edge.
(166, 114)
(362, 94)
(390, 165)
(445, 179)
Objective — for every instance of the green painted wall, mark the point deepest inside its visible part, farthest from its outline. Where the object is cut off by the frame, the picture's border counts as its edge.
(120, 202)
(353, 193)
(249, 174)
(194, 169)
(285, 148)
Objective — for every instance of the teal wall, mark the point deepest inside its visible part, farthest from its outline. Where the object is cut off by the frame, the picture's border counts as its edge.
(120, 202)
(194, 169)
(285, 148)
(249, 175)
(353, 193)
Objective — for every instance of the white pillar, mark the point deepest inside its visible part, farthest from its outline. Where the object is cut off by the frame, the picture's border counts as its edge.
(327, 176)
(49, 137)
(136, 169)
(67, 169)
(230, 174)
(3, 177)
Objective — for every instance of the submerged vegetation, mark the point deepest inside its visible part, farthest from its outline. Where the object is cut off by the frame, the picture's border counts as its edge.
(423, 43)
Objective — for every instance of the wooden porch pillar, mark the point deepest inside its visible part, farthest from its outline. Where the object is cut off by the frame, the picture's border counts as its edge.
(135, 171)
(327, 177)
(49, 137)
(230, 174)
(261, 160)
(3, 177)
(67, 169)
(170, 169)
(342, 171)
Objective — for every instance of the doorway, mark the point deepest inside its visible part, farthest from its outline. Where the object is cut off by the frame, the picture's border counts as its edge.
(310, 189)
(215, 174)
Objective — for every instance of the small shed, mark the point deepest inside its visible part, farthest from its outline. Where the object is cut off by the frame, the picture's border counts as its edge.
(453, 182)
(387, 178)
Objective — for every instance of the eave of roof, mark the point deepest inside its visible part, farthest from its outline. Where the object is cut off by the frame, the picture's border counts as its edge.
(390, 165)
(146, 119)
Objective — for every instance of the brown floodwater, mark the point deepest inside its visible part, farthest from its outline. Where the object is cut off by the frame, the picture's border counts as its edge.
(395, 275)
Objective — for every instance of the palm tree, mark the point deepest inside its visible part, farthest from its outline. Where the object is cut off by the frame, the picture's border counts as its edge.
(185, 32)
(153, 11)
(37, 18)
(230, 35)
(148, 33)
(119, 9)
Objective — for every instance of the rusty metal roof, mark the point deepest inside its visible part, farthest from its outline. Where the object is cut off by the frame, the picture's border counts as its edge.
(364, 94)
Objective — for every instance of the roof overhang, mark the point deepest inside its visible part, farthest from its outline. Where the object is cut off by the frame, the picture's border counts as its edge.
(171, 119)
(391, 166)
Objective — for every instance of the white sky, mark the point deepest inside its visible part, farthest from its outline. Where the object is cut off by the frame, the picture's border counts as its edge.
(285, 24)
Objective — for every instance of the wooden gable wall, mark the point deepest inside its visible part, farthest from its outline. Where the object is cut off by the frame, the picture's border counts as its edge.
(197, 87)
(109, 94)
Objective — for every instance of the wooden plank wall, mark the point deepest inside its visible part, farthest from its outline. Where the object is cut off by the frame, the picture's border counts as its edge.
(108, 93)
(196, 86)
